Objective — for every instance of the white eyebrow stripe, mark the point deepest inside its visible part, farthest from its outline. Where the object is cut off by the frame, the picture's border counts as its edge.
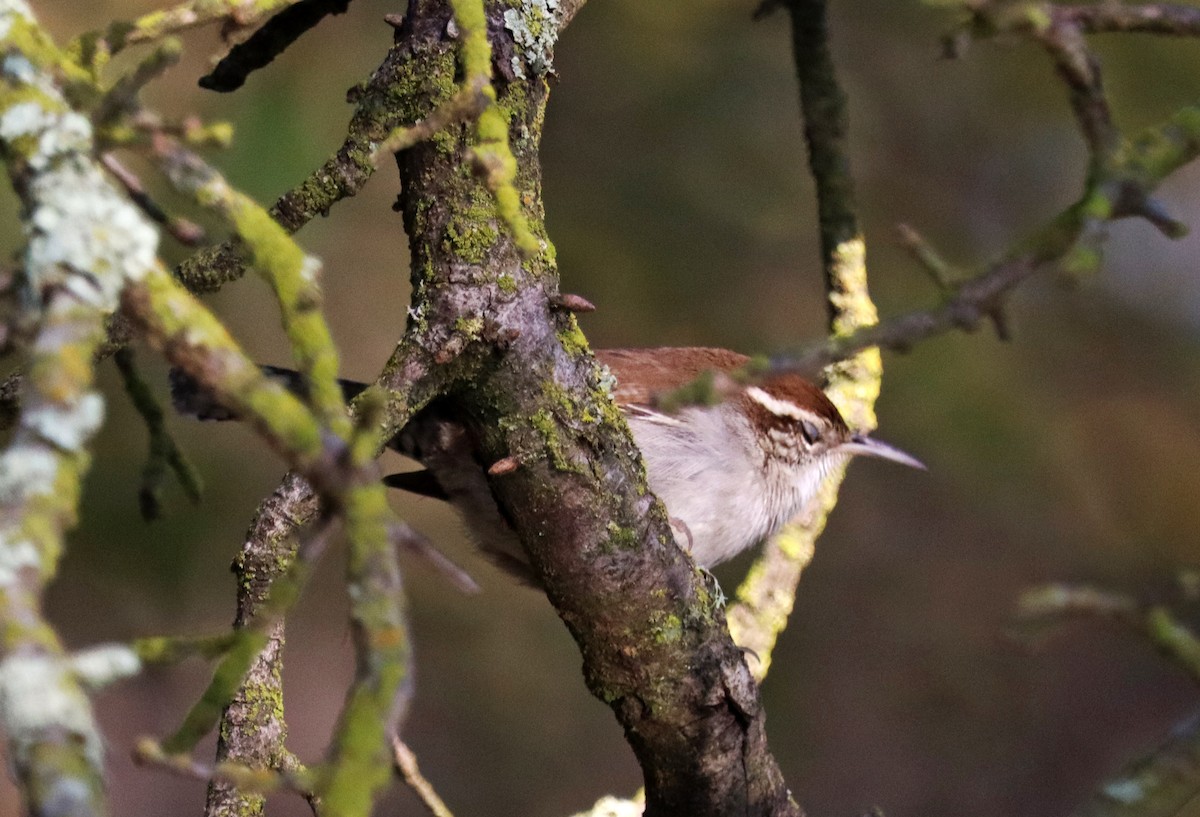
(780, 408)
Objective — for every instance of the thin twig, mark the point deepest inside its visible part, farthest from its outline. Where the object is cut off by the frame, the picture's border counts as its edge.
(411, 540)
(294, 778)
(186, 232)
(406, 762)
(766, 596)
(944, 275)
(1155, 622)
(188, 15)
(1150, 18)
(164, 454)
(268, 42)
(1080, 70)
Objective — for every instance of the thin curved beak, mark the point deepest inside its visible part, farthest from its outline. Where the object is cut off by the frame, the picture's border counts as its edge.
(861, 444)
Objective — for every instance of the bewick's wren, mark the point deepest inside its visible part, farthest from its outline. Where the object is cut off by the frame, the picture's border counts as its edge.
(729, 475)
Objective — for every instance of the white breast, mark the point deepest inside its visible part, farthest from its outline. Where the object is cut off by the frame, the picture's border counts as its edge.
(713, 477)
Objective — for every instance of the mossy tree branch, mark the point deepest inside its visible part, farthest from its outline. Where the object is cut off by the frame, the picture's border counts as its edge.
(662, 659)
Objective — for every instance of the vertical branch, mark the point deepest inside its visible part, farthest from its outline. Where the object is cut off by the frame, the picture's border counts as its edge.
(823, 108)
(574, 492)
(85, 243)
(253, 730)
(767, 595)
(361, 762)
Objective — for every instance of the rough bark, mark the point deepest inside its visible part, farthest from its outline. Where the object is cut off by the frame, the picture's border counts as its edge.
(649, 626)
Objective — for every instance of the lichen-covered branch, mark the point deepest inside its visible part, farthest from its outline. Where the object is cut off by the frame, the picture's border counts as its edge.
(767, 594)
(1124, 172)
(383, 111)
(193, 339)
(491, 152)
(292, 276)
(1152, 18)
(89, 248)
(158, 24)
(343, 475)
(252, 726)
(85, 242)
(360, 762)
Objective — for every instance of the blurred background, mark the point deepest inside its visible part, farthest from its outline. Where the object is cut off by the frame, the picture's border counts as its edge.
(678, 198)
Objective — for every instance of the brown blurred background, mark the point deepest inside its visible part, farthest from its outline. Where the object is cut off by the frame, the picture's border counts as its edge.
(679, 202)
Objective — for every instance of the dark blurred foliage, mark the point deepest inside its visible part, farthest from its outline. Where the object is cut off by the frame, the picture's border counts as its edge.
(678, 198)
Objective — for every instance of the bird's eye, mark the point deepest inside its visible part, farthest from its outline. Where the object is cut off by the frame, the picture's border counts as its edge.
(810, 432)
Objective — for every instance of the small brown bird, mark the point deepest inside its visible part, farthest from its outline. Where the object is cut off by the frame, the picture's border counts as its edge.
(729, 474)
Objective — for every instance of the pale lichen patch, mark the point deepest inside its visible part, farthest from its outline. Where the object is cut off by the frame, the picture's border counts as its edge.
(15, 558)
(82, 226)
(32, 472)
(534, 27)
(68, 427)
(10, 9)
(54, 133)
(310, 270)
(102, 665)
(36, 698)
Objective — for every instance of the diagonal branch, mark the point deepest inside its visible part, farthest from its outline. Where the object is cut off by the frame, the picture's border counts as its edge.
(1147, 160)
(1152, 18)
